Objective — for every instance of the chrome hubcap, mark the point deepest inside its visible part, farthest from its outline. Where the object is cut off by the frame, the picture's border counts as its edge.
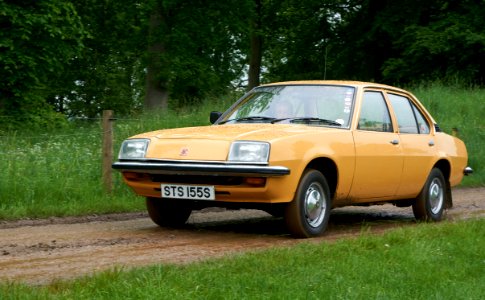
(436, 196)
(315, 205)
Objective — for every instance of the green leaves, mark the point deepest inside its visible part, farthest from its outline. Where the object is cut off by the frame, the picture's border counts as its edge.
(80, 57)
(37, 43)
(413, 41)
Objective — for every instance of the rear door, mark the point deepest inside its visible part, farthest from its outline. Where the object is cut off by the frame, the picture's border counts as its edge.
(417, 143)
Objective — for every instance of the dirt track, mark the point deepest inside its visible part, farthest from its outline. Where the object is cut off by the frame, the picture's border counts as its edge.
(41, 251)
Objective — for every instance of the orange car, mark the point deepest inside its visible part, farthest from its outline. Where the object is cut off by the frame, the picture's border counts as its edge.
(299, 149)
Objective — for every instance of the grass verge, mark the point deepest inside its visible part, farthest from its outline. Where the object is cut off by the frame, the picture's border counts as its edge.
(427, 261)
(462, 108)
(58, 173)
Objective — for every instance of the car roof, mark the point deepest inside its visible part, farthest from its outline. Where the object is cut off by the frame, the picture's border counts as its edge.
(361, 84)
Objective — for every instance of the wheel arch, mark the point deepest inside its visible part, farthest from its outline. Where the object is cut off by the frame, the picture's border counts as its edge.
(445, 167)
(329, 169)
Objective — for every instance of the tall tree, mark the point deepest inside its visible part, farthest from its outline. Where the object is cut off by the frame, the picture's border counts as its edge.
(256, 46)
(299, 37)
(194, 49)
(37, 42)
(156, 91)
(108, 72)
(447, 42)
(412, 40)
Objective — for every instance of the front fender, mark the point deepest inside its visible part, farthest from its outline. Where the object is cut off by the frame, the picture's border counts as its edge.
(298, 153)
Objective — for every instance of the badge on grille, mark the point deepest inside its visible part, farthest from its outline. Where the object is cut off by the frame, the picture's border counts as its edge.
(184, 151)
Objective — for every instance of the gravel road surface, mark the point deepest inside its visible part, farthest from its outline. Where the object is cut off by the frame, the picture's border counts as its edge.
(42, 251)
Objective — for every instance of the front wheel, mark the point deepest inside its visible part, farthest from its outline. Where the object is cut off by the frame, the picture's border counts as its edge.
(430, 203)
(307, 215)
(164, 212)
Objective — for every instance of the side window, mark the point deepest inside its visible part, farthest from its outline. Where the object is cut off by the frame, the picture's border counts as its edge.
(409, 118)
(423, 125)
(374, 115)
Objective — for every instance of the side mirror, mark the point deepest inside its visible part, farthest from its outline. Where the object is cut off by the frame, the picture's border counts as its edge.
(215, 115)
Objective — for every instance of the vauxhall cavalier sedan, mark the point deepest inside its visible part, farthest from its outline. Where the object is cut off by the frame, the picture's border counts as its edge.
(297, 150)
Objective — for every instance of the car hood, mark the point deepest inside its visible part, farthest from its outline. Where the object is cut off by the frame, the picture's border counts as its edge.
(213, 142)
(232, 132)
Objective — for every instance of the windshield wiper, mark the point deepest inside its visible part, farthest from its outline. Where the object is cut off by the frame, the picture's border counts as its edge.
(250, 118)
(308, 120)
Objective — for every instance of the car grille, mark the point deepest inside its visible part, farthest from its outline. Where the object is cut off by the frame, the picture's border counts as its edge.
(201, 179)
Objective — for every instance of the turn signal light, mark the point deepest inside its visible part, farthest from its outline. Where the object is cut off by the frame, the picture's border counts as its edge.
(255, 181)
(133, 176)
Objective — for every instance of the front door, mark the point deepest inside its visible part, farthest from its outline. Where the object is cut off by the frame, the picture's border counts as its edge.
(379, 159)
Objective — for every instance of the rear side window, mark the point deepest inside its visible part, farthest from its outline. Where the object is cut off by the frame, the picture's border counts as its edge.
(409, 118)
(374, 115)
(423, 126)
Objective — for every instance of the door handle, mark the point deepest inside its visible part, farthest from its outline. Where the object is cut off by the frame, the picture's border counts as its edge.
(431, 143)
(394, 142)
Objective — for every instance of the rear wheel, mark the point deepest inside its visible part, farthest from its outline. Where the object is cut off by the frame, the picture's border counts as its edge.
(430, 203)
(168, 213)
(307, 215)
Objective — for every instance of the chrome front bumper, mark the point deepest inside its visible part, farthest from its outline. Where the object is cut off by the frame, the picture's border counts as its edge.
(202, 168)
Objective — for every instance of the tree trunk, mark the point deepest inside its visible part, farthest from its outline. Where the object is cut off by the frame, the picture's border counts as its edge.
(256, 52)
(156, 93)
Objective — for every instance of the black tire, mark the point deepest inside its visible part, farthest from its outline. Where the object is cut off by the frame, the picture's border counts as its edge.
(168, 213)
(431, 201)
(307, 215)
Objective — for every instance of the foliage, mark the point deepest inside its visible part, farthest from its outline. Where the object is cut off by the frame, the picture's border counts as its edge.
(448, 46)
(298, 37)
(437, 261)
(37, 43)
(108, 73)
(412, 40)
(63, 58)
(200, 46)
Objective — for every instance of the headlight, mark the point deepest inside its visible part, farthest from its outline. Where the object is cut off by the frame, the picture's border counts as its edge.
(247, 151)
(133, 149)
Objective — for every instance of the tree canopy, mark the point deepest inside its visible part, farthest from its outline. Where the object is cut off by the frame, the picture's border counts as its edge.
(64, 58)
(38, 42)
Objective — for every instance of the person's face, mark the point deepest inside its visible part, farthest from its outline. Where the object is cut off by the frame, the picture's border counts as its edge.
(283, 110)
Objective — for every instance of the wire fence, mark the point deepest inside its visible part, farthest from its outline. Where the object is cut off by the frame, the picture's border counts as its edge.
(51, 133)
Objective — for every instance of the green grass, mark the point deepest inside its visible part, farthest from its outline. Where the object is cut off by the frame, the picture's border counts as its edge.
(58, 173)
(427, 261)
(462, 108)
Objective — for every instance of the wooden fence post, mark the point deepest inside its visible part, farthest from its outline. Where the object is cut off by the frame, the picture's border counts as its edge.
(107, 150)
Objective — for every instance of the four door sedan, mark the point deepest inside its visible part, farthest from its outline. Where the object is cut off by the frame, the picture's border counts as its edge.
(297, 150)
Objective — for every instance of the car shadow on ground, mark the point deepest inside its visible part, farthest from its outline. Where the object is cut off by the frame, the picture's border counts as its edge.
(341, 221)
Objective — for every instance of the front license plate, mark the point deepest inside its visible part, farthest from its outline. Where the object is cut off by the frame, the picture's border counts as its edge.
(195, 192)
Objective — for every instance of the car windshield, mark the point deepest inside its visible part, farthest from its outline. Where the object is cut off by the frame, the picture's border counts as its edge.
(326, 105)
